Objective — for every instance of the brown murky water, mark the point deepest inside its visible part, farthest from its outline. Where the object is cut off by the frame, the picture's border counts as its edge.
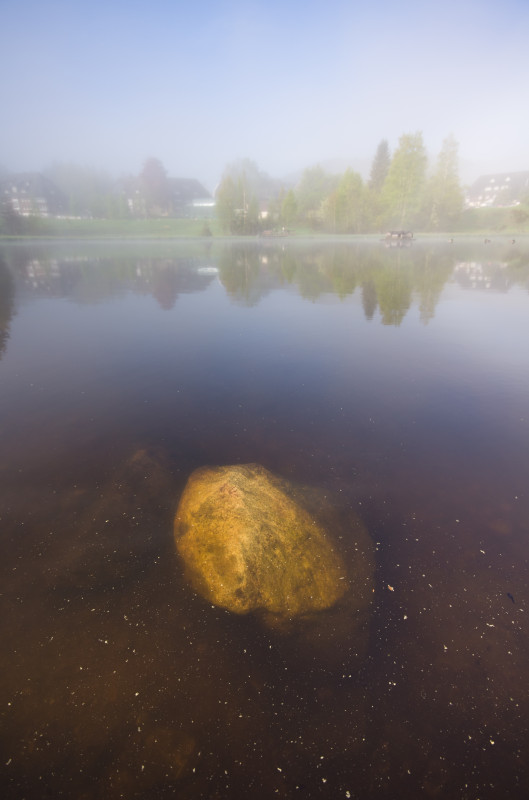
(393, 381)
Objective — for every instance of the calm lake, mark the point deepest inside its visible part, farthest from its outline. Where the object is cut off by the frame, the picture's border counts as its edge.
(392, 381)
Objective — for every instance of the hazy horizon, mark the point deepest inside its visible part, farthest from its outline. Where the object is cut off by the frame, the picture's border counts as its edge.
(288, 86)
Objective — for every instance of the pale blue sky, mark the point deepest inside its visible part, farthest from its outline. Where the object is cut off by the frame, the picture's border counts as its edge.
(288, 84)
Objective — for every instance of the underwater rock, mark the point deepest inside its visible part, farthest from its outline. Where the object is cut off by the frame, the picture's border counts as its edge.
(249, 544)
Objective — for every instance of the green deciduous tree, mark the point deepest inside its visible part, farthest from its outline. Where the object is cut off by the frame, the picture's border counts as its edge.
(350, 197)
(314, 187)
(289, 208)
(226, 203)
(402, 192)
(257, 183)
(344, 208)
(251, 217)
(443, 196)
(237, 205)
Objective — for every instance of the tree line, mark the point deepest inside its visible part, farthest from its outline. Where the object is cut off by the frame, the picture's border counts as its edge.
(95, 193)
(388, 281)
(86, 191)
(403, 192)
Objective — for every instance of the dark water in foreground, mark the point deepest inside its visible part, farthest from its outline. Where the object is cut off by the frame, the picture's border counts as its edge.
(396, 382)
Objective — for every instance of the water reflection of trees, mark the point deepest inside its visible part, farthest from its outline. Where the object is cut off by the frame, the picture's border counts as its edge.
(244, 273)
(369, 298)
(7, 304)
(388, 281)
(88, 279)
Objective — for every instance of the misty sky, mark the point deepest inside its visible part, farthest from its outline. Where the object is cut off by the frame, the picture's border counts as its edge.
(288, 84)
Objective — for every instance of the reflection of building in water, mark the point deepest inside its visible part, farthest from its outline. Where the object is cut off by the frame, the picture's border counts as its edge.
(37, 271)
(486, 276)
(91, 279)
(49, 277)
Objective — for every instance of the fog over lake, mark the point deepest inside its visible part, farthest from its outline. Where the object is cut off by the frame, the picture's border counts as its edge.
(286, 85)
(393, 382)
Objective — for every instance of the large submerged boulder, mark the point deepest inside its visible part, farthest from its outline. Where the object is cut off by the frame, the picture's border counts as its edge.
(249, 543)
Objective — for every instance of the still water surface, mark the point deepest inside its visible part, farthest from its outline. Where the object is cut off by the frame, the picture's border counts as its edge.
(393, 381)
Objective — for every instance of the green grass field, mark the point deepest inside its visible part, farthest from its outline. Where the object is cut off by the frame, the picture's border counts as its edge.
(118, 228)
(473, 222)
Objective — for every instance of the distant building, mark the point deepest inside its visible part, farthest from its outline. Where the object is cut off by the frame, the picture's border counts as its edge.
(136, 205)
(500, 190)
(30, 194)
(184, 197)
(188, 198)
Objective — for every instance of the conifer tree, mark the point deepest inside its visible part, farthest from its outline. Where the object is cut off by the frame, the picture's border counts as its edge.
(379, 167)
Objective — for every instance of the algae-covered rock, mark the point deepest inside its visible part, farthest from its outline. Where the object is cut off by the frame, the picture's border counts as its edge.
(249, 545)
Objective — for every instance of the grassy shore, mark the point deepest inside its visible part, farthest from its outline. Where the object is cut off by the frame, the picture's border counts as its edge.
(475, 222)
(117, 228)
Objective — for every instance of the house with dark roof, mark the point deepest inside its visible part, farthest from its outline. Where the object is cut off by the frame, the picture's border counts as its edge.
(500, 190)
(185, 194)
(30, 194)
(183, 197)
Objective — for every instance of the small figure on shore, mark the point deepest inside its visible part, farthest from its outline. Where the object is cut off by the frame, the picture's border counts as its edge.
(487, 241)
(513, 241)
